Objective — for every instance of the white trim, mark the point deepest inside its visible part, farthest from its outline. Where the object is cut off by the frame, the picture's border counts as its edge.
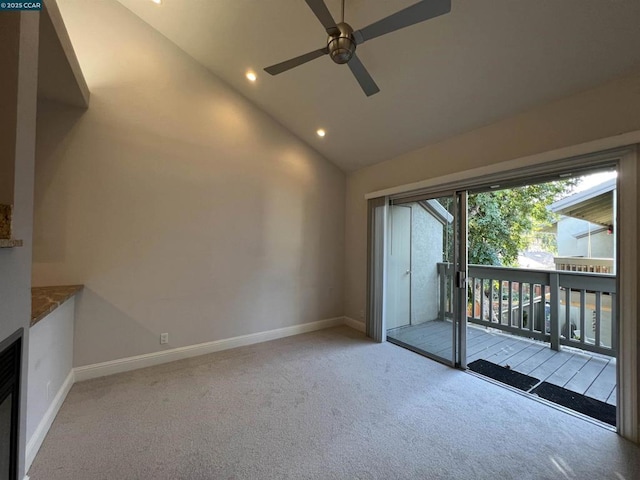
(355, 324)
(627, 395)
(559, 154)
(35, 442)
(156, 358)
(141, 361)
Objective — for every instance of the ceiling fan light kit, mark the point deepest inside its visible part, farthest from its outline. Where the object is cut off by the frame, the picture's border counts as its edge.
(343, 46)
(343, 40)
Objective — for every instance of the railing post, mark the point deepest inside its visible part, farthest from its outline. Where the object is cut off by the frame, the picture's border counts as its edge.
(442, 276)
(554, 290)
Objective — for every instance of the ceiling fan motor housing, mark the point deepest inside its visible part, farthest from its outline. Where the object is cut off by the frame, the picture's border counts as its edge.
(342, 46)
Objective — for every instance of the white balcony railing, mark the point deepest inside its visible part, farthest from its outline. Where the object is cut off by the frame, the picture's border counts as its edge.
(584, 264)
(559, 307)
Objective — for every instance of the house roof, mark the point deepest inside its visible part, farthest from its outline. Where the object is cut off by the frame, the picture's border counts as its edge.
(594, 204)
(436, 209)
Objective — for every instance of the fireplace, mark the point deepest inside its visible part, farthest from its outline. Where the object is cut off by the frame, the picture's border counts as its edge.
(10, 358)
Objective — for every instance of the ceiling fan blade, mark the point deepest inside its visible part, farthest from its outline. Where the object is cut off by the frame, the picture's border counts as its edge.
(416, 13)
(362, 76)
(294, 62)
(321, 11)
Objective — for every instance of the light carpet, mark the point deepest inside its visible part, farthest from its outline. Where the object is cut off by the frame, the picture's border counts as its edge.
(325, 405)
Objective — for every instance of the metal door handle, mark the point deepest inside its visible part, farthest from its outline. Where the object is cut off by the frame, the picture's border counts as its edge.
(408, 272)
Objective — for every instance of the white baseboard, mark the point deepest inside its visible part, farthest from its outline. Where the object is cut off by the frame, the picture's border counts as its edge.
(35, 442)
(150, 359)
(141, 361)
(355, 324)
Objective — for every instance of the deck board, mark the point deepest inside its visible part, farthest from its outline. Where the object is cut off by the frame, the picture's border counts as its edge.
(584, 377)
(416, 335)
(433, 337)
(561, 376)
(535, 361)
(516, 359)
(501, 345)
(612, 400)
(442, 338)
(604, 383)
(551, 365)
(581, 372)
(486, 343)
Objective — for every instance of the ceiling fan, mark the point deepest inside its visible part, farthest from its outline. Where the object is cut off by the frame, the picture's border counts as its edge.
(343, 40)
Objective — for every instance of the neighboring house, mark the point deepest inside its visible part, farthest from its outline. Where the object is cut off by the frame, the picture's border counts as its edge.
(429, 227)
(536, 259)
(586, 241)
(586, 230)
(417, 246)
(581, 238)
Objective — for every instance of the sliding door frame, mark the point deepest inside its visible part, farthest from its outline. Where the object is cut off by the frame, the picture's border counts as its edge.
(628, 359)
(377, 213)
(459, 320)
(461, 260)
(625, 160)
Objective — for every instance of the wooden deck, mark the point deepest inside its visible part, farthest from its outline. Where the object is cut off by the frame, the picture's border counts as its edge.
(586, 373)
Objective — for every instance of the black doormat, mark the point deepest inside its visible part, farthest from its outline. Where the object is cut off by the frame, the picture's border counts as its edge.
(580, 403)
(503, 374)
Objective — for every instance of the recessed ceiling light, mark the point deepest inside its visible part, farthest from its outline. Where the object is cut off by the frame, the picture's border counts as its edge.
(251, 76)
(157, 2)
(321, 132)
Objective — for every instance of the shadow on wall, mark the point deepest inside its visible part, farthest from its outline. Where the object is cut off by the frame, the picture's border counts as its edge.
(49, 235)
(119, 332)
(180, 206)
(167, 237)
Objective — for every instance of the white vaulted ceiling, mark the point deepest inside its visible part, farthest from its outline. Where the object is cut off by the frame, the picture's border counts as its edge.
(486, 60)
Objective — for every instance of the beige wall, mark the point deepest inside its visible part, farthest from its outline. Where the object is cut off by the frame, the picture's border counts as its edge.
(605, 111)
(180, 206)
(15, 263)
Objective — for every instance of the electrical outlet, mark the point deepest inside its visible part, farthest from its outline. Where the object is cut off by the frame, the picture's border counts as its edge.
(361, 314)
(164, 338)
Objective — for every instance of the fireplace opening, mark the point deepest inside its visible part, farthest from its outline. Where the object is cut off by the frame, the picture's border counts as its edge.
(10, 358)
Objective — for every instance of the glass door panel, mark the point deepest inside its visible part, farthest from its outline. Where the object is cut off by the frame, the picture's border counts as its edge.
(421, 298)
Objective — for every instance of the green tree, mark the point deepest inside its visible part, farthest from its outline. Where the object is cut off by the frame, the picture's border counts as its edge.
(505, 222)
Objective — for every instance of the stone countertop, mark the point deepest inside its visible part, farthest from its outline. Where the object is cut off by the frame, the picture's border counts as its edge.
(5, 221)
(10, 243)
(45, 300)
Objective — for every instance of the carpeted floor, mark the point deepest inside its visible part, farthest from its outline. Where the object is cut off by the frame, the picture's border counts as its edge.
(325, 405)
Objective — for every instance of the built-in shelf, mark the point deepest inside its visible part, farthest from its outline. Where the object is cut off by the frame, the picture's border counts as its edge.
(10, 243)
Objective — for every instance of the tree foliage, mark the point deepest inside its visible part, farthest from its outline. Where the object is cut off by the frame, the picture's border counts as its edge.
(503, 223)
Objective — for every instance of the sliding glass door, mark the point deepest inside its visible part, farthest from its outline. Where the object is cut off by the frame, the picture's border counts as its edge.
(425, 298)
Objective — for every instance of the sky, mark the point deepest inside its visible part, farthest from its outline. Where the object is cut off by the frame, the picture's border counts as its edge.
(594, 179)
